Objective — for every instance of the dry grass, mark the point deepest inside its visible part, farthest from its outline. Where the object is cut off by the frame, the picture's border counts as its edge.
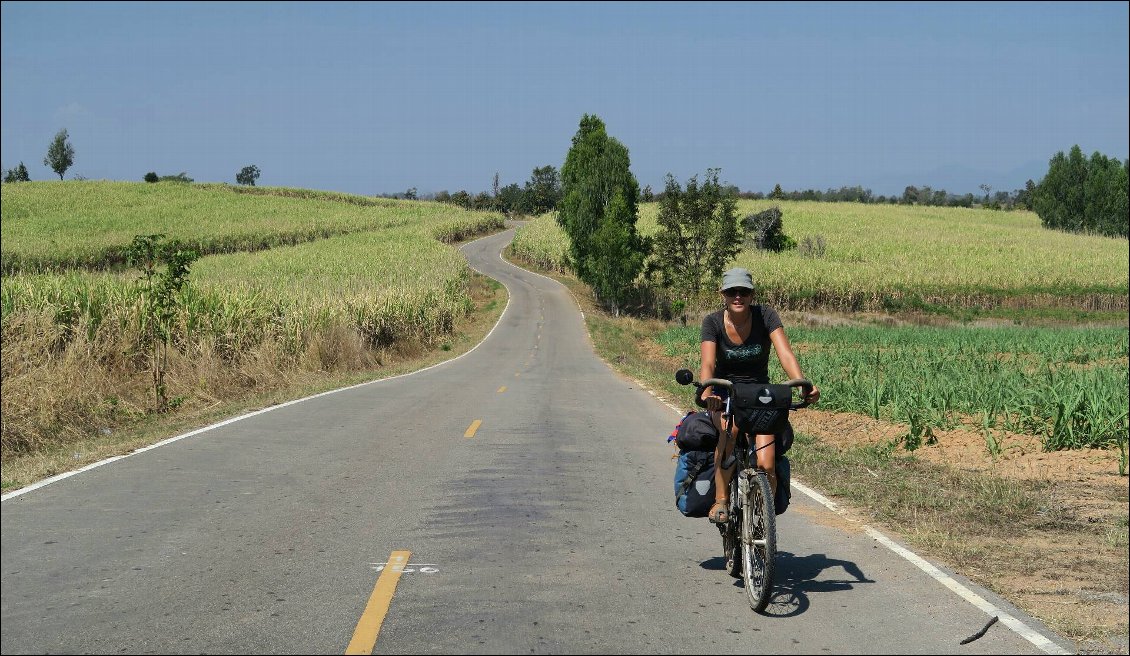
(65, 408)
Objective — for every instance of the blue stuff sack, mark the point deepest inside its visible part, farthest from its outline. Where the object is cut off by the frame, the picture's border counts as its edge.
(694, 483)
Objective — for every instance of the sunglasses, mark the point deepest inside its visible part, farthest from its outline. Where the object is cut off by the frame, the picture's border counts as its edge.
(737, 291)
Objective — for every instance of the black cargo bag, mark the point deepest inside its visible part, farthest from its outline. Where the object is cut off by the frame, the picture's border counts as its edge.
(696, 433)
(761, 409)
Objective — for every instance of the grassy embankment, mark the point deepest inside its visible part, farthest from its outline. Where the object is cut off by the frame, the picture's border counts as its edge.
(298, 291)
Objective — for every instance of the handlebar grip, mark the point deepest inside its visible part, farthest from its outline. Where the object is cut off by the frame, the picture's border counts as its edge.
(710, 382)
(806, 387)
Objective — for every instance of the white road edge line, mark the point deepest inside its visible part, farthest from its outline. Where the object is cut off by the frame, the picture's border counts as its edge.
(1028, 633)
(55, 479)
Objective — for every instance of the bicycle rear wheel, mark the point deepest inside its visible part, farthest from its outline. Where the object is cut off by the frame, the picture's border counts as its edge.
(758, 542)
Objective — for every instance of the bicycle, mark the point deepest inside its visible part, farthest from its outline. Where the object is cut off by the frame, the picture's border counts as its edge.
(749, 536)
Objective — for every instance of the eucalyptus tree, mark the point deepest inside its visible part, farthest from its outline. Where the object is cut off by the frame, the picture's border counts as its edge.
(598, 212)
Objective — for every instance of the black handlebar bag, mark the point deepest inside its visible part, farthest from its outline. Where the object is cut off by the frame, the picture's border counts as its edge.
(761, 408)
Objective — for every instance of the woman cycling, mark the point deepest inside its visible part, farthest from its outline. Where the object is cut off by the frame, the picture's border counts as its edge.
(735, 345)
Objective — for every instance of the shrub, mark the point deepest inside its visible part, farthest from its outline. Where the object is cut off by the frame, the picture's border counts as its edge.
(765, 231)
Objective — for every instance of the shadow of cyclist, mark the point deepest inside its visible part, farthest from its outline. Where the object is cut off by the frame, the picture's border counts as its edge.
(797, 576)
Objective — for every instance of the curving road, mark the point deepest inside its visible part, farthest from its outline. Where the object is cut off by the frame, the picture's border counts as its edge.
(548, 526)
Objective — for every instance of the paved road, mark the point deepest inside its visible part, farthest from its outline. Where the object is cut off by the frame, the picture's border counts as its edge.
(552, 529)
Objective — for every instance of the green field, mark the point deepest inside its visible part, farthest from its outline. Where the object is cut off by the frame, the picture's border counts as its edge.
(301, 279)
(66, 225)
(1066, 386)
(289, 280)
(894, 258)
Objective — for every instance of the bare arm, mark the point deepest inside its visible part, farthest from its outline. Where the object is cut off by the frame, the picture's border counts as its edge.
(709, 362)
(789, 362)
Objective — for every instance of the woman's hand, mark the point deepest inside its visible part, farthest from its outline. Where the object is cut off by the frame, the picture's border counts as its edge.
(713, 403)
(813, 395)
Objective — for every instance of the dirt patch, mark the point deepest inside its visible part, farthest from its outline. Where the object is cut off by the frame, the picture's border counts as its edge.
(1073, 573)
(1021, 456)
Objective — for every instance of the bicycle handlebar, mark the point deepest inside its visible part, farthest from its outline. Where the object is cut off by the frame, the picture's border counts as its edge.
(685, 377)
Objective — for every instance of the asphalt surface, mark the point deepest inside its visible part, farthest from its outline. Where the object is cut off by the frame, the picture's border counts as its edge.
(552, 529)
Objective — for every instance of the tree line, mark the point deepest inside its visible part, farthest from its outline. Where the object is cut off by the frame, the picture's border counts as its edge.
(1076, 195)
(700, 231)
(1084, 195)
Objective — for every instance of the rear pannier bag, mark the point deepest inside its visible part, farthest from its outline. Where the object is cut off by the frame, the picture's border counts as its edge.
(694, 482)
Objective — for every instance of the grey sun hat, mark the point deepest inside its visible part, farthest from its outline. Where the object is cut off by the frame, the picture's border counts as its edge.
(736, 278)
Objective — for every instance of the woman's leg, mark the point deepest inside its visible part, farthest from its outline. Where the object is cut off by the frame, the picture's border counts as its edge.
(767, 458)
(721, 452)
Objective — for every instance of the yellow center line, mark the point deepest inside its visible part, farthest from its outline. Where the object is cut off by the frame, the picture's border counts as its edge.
(501, 389)
(472, 428)
(365, 635)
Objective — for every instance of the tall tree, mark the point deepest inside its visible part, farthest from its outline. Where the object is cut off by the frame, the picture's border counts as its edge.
(1076, 189)
(1105, 208)
(543, 190)
(60, 154)
(599, 202)
(1078, 195)
(698, 234)
(1050, 198)
(617, 255)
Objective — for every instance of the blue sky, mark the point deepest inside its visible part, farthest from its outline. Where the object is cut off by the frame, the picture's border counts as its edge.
(375, 98)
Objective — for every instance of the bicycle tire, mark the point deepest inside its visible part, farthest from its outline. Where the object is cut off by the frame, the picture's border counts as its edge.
(758, 542)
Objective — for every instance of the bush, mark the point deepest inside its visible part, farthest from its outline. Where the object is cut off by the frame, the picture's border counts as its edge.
(247, 175)
(765, 231)
(17, 174)
(151, 177)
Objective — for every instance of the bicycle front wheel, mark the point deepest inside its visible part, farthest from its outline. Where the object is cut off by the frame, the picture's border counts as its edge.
(758, 538)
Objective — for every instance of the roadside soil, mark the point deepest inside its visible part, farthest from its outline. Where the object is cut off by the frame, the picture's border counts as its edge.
(1075, 580)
